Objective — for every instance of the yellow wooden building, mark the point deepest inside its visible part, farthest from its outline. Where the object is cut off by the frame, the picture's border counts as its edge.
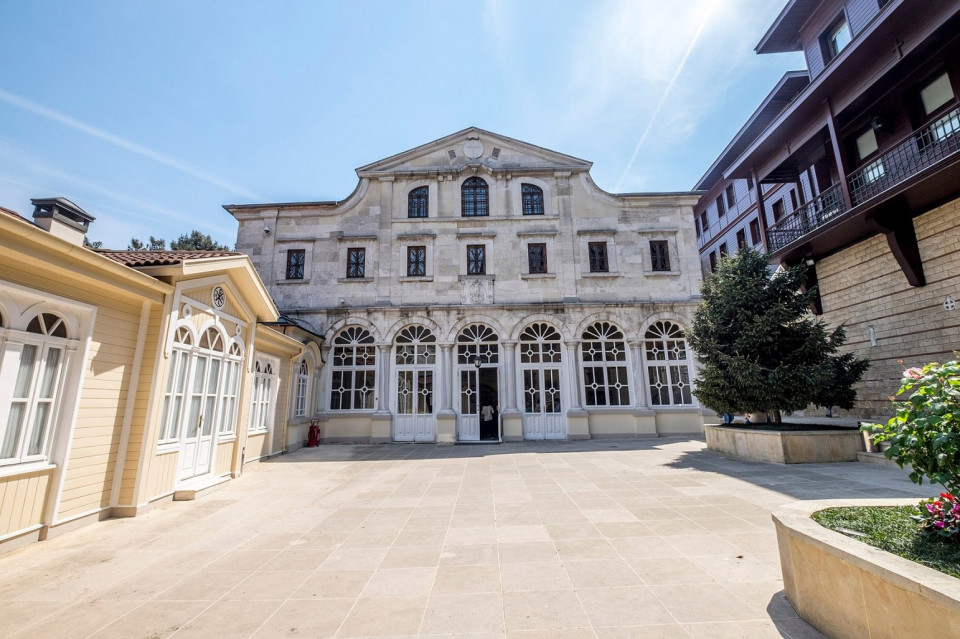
(129, 378)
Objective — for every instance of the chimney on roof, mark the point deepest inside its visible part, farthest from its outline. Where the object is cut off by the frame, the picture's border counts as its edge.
(62, 218)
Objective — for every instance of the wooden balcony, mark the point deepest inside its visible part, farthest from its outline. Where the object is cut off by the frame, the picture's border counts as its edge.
(809, 217)
(917, 173)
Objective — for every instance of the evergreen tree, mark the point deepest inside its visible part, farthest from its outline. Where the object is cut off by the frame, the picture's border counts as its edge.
(153, 244)
(758, 346)
(197, 241)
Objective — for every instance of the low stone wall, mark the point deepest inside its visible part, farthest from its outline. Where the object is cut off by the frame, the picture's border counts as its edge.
(785, 447)
(847, 589)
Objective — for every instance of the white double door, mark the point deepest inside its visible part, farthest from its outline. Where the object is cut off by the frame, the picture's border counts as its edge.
(414, 419)
(196, 440)
(542, 398)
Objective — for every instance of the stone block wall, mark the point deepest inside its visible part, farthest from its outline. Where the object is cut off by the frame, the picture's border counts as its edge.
(862, 286)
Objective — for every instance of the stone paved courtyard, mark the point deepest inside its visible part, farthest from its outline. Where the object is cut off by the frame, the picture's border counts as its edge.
(599, 539)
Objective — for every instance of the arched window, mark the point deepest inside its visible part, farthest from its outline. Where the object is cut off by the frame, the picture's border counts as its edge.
(604, 356)
(176, 384)
(35, 370)
(668, 366)
(540, 357)
(353, 373)
(473, 198)
(418, 201)
(478, 340)
(261, 401)
(415, 356)
(303, 378)
(532, 197)
(231, 388)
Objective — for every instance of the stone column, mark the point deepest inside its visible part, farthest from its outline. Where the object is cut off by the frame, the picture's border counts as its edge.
(578, 419)
(644, 417)
(382, 419)
(512, 418)
(446, 418)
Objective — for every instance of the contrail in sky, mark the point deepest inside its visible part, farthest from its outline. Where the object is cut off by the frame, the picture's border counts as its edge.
(666, 93)
(133, 147)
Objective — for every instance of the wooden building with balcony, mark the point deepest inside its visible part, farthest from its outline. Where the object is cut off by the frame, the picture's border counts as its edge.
(858, 174)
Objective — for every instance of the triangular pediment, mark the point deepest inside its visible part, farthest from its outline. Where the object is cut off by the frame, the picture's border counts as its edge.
(472, 148)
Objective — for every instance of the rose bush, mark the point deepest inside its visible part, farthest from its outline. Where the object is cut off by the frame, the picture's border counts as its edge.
(925, 432)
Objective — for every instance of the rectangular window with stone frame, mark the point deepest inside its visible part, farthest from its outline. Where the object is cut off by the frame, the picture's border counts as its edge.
(476, 259)
(416, 261)
(659, 255)
(597, 254)
(537, 258)
(356, 262)
(296, 259)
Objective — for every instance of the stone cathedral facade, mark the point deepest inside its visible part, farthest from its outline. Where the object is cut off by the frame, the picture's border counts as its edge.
(480, 288)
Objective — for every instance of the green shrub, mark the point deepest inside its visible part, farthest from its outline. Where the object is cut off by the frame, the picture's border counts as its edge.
(925, 432)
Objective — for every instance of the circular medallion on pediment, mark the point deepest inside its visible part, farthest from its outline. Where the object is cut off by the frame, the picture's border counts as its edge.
(473, 149)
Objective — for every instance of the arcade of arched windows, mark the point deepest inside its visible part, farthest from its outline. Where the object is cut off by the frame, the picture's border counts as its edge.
(604, 370)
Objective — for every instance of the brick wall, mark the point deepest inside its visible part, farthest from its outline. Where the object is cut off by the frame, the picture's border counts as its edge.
(863, 286)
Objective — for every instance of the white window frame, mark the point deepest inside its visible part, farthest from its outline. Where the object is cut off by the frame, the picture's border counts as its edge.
(303, 383)
(266, 382)
(599, 361)
(661, 369)
(18, 306)
(351, 338)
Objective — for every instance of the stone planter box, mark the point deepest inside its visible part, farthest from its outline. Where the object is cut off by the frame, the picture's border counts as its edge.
(847, 589)
(785, 447)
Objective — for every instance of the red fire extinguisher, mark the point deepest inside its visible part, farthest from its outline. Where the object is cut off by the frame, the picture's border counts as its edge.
(314, 437)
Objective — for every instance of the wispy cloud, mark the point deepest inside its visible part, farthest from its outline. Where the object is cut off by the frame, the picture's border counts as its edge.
(133, 147)
(651, 72)
(665, 95)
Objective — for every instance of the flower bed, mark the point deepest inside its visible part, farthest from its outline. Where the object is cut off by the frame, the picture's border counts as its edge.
(785, 447)
(845, 588)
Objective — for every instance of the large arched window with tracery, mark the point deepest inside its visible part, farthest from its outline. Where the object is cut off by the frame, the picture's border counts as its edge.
(605, 374)
(540, 359)
(415, 358)
(175, 387)
(668, 365)
(353, 370)
(474, 198)
(31, 373)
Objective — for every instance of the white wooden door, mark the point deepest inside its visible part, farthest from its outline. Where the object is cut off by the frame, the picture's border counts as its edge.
(468, 420)
(540, 356)
(196, 442)
(415, 419)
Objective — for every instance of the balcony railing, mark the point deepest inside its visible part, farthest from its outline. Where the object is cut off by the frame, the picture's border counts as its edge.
(813, 214)
(919, 150)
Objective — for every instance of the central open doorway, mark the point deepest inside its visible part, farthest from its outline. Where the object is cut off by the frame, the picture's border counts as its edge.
(478, 377)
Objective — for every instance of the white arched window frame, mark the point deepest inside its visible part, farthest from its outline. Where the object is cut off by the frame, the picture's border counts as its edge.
(32, 369)
(541, 355)
(668, 365)
(263, 396)
(232, 374)
(202, 385)
(353, 370)
(603, 356)
(303, 382)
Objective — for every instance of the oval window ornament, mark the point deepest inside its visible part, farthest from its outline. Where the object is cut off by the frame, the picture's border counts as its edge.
(219, 297)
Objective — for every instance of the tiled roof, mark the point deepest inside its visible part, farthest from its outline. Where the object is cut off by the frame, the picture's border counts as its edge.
(160, 258)
(13, 214)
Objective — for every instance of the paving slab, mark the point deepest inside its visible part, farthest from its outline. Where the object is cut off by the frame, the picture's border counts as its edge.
(593, 539)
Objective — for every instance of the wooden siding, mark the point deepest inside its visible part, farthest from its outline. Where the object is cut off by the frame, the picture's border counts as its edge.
(106, 389)
(161, 475)
(141, 412)
(203, 298)
(224, 462)
(22, 500)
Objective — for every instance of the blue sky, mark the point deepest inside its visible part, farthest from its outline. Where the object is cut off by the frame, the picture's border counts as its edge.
(151, 115)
